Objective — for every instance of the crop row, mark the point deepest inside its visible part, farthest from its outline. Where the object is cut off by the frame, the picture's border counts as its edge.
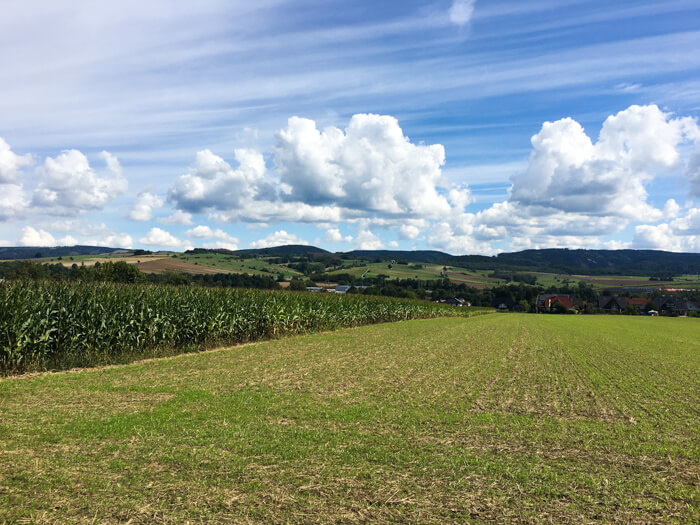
(58, 325)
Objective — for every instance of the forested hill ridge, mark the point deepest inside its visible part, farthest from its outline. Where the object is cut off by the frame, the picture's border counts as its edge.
(557, 260)
(630, 262)
(29, 252)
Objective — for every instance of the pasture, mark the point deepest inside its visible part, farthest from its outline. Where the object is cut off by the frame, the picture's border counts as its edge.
(528, 418)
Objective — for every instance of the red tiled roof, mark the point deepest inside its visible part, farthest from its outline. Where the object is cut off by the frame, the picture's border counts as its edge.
(556, 299)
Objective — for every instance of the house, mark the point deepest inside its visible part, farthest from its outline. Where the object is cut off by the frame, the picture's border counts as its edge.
(545, 302)
(454, 301)
(674, 306)
(638, 302)
(314, 289)
(612, 304)
(342, 288)
(505, 304)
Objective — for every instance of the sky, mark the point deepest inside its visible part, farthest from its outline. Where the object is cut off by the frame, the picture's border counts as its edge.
(467, 126)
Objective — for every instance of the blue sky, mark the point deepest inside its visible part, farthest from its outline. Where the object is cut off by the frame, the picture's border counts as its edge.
(464, 126)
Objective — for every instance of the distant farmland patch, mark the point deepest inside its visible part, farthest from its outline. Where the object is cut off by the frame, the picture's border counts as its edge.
(161, 265)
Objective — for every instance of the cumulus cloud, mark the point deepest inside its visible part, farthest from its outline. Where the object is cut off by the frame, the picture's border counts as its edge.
(36, 237)
(681, 234)
(11, 164)
(213, 183)
(115, 240)
(279, 238)
(443, 236)
(163, 239)
(671, 209)
(223, 239)
(693, 171)
(333, 235)
(461, 11)
(408, 232)
(142, 210)
(368, 171)
(366, 240)
(180, 217)
(68, 240)
(370, 167)
(570, 173)
(688, 225)
(70, 186)
(12, 201)
(575, 190)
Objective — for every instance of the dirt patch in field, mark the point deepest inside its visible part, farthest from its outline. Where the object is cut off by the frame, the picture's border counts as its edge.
(161, 265)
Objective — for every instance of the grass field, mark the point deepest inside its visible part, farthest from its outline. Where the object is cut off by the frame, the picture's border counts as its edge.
(575, 419)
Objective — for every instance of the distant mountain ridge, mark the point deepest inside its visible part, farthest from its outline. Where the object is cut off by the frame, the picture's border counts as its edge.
(29, 252)
(555, 260)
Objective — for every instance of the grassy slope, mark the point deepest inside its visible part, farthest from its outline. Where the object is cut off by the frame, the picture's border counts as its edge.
(499, 417)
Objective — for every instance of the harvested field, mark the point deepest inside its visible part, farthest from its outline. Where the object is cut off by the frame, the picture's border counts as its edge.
(161, 265)
(499, 418)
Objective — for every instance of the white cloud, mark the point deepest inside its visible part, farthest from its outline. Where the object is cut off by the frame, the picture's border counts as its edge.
(34, 237)
(460, 198)
(68, 240)
(408, 232)
(279, 238)
(11, 164)
(681, 234)
(181, 218)
(688, 225)
(213, 183)
(12, 201)
(69, 185)
(444, 237)
(671, 209)
(142, 210)
(461, 11)
(569, 173)
(224, 240)
(163, 239)
(366, 240)
(575, 190)
(370, 167)
(393, 244)
(333, 235)
(693, 170)
(659, 237)
(116, 240)
(200, 232)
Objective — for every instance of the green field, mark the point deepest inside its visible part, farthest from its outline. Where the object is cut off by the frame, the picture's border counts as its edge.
(235, 265)
(528, 418)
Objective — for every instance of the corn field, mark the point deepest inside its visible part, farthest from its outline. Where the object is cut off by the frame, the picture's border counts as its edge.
(50, 325)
